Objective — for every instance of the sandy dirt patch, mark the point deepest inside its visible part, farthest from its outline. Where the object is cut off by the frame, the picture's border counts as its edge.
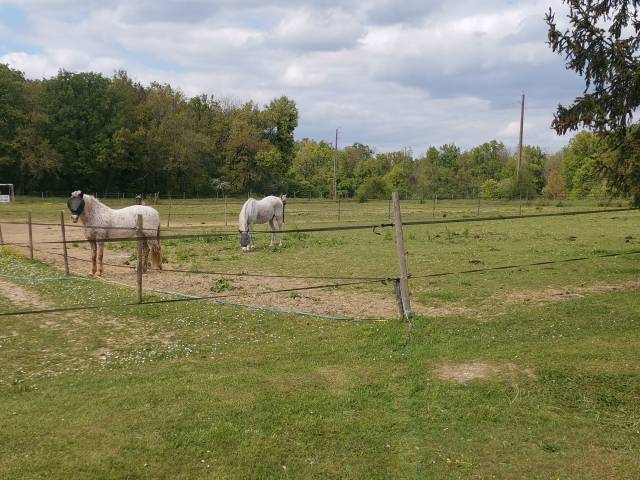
(21, 296)
(337, 302)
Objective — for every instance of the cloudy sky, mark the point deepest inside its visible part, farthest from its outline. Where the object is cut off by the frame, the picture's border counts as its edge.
(391, 74)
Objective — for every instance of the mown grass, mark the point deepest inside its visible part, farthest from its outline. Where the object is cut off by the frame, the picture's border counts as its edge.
(200, 390)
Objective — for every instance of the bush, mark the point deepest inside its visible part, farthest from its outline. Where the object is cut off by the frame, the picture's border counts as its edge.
(373, 187)
(507, 188)
(489, 189)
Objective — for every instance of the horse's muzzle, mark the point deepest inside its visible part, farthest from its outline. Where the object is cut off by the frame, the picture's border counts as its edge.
(75, 218)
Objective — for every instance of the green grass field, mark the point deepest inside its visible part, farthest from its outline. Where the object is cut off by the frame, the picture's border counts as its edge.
(203, 390)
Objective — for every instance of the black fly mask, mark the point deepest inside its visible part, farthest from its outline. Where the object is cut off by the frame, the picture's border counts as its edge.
(76, 206)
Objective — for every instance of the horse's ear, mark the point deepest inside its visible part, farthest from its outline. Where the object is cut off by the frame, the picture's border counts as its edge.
(81, 194)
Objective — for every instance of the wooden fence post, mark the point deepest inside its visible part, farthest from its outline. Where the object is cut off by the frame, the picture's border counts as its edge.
(30, 236)
(140, 259)
(404, 274)
(64, 243)
(338, 209)
(225, 209)
(478, 204)
(396, 288)
(169, 216)
(1, 239)
(435, 201)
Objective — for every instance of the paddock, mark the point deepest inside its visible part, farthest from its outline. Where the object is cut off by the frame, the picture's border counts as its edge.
(457, 265)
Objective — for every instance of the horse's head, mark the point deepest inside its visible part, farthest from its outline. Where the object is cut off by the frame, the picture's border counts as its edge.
(283, 197)
(244, 240)
(76, 204)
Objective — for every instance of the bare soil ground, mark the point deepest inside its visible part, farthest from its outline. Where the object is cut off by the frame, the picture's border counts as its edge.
(244, 290)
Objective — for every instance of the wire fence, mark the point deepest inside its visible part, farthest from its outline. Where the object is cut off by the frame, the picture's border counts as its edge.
(348, 280)
(340, 228)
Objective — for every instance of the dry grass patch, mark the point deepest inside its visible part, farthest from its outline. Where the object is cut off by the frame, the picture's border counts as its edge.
(561, 294)
(465, 372)
(21, 296)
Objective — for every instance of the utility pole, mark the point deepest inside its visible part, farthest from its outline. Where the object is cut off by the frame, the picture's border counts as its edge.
(520, 153)
(335, 167)
(520, 143)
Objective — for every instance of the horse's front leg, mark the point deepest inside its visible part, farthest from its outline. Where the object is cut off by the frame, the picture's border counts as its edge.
(100, 253)
(251, 242)
(92, 243)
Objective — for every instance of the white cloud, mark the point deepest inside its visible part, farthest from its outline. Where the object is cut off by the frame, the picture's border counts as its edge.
(391, 74)
(309, 29)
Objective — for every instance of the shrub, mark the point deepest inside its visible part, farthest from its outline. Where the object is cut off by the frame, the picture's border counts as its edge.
(373, 187)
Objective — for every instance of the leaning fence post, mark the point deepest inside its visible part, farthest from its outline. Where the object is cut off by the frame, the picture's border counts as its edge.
(30, 236)
(64, 243)
(225, 210)
(396, 288)
(404, 274)
(139, 262)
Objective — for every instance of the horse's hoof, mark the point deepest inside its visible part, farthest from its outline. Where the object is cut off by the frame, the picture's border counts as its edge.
(99, 274)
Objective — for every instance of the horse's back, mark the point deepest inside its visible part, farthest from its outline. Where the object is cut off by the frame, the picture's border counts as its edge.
(128, 216)
(269, 207)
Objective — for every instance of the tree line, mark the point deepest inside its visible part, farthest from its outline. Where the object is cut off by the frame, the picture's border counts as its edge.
(85, 130)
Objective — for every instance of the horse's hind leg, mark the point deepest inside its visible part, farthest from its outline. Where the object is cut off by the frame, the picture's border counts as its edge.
(92, 244)
(273, 232)
(100, 253)
(156, 254)
(145, 256)
(280, 228)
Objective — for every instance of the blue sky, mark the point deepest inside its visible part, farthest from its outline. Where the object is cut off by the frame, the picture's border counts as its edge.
(390, 74)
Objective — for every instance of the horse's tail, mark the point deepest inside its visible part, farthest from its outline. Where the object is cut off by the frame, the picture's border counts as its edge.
(156, 254)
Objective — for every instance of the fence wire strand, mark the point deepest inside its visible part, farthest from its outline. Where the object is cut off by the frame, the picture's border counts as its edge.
(349, 227)
(176, 300)
(532, 264)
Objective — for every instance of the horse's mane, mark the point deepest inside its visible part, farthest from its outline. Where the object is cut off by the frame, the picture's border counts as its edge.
(246, 213)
